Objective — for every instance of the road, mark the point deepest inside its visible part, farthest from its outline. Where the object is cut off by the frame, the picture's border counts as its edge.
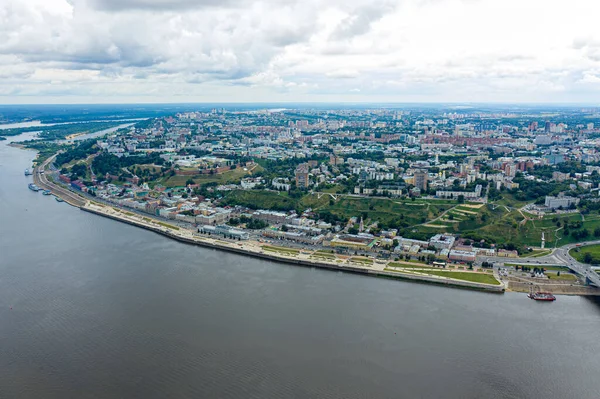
(42, 181)
(560, 256)
(582, 269)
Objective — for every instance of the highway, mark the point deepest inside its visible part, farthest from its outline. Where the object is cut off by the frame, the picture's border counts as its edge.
(582, 269)
(42, 181)
(560, 256)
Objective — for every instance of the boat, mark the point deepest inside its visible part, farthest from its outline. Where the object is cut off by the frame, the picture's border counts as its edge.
(33, 187)
(58, 199)
(28, 172)
(47, 192)
(541, 296)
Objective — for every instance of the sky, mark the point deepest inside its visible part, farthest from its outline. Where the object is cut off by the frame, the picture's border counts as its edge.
(131, 51)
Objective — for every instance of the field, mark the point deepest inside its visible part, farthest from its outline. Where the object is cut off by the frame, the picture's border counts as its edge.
(484, 278)
(502, 224)
(281, 250)
(169, 226)
(494, 223)
(563, 276)
(466, 276)
(384, 210)
(580, 254)
(537, 253)
(230, 176)
(362, 260)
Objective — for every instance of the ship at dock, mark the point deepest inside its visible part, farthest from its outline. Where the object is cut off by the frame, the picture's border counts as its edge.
(28, 172)
(47, 192)
(541, 296)
(33, 187)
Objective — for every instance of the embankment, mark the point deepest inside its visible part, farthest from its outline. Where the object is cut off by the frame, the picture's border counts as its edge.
(300, 262)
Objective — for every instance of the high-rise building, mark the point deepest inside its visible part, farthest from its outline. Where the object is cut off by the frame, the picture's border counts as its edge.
(420, 180)
(547, 127)
(533, 126)
(302, 180)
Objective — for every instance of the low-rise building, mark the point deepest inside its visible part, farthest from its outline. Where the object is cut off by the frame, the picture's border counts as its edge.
(560, 201)
(441, 241)
(462, 256)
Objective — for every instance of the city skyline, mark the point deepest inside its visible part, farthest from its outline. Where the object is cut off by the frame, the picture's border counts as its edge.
(154, 51)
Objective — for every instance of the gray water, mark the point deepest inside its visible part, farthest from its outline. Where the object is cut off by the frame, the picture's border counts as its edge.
(92, 308)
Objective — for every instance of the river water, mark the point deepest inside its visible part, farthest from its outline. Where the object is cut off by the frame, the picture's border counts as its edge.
(92, 308)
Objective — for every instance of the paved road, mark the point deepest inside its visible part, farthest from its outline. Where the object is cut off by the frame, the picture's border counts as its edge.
(560, 256)
(42, 181)
(582, 269)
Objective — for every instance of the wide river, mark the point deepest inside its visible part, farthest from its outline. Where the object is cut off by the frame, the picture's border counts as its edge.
(92, 308)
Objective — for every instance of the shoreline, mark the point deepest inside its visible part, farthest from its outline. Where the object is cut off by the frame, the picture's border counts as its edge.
(252, 248)
(231, 247)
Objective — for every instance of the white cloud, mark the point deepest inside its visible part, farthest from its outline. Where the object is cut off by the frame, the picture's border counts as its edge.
(298, 50)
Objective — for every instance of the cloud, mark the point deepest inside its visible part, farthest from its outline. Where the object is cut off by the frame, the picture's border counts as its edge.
(154, 5)
(298, 50)
(360, 20)
(343, 74)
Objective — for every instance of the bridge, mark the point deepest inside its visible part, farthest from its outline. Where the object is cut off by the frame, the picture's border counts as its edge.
(560, 256)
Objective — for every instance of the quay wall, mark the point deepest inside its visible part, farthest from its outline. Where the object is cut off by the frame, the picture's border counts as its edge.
(303, 262)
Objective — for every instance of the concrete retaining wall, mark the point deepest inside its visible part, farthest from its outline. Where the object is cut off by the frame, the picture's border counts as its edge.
(307, 263)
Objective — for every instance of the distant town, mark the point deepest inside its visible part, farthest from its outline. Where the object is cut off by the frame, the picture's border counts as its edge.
(431, 186)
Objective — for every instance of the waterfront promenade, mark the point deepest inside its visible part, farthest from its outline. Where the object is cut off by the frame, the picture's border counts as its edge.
(251, 248)
(377, 267)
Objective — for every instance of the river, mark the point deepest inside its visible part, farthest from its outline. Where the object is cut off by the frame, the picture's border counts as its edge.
(93, 308)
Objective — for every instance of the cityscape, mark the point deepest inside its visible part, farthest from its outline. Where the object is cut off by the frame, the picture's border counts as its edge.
(479, 198)
(283, 199)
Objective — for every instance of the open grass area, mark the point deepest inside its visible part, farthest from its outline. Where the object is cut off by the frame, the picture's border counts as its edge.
(537, 253)
(169, 226)
(531, 266)
(563, 276)
(383, 210)
(324, 254)
(502, 224)
(510, 201)
(281, 250)
(358, 259)
(411, 265)
(230, 176)
(593, 252)
(466, 276)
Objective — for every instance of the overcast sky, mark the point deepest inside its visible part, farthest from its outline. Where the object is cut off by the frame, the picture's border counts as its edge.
(109, 51)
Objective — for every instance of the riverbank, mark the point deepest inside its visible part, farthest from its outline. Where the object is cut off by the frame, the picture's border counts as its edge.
(376, 267)
(254, 249)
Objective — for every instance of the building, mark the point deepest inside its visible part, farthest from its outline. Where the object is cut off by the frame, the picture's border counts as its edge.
(462, 256)
(420, 180)
(560, 202)
(225, 231)
(365, 242)
(302, 180)
(560, 177)
(273, 217)
(505, 253)
(456, 194)
(335, 160)
(441, 241)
